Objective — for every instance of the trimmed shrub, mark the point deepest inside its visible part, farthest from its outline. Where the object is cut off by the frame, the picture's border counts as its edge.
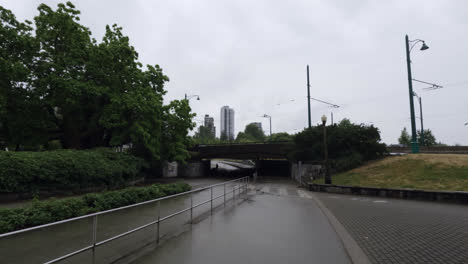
(52, 210)
(66, 170)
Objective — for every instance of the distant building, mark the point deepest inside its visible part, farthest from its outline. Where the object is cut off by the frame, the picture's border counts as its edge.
(209, 123)
(227, 122)
(258, 124)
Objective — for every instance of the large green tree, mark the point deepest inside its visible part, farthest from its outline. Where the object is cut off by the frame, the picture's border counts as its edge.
(404, 138)
(429, 138)
(280, 137)
(61, 70)
(60, 84)
(204, 136)
(252, 133)
(23, 120)
(351, 143)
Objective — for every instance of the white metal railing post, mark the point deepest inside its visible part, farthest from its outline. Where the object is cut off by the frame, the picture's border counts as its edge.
(157, 224)
(191, 208)
(211, 191)
(224, 194)
(244, 184)
(94, 237)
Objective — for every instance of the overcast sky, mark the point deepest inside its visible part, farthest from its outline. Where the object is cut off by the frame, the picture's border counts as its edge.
(252, 56)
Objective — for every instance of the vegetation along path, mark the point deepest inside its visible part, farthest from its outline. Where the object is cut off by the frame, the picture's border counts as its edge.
(418, 171)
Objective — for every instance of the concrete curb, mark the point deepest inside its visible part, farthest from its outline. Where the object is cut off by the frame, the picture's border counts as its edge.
(411, 194)
(353, 250)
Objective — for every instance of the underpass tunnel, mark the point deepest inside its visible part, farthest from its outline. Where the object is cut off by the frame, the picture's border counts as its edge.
(273, 167)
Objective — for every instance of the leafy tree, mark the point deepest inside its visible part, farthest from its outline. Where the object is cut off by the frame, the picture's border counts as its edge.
(204, 136)
(60, 84)
(278, 137)
(252, 133)
(61, 70)
(344, 140)
(223, 137)
(22, 119)
(242, 137)
(177, 121)
(404, 138)
(429, 138)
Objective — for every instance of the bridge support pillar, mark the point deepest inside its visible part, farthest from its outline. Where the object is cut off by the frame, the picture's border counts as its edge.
(194, 169)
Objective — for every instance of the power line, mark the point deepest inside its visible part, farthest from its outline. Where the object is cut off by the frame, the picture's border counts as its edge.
(330, 104)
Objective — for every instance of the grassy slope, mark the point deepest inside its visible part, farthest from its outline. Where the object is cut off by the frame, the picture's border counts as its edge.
(418, 171)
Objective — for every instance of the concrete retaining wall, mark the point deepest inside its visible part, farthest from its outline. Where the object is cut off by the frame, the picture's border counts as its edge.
(412, 194)
(194, 169)
(304, 172)
(169, 169)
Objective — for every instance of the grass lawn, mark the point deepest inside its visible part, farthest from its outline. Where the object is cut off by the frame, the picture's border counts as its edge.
(417, 171)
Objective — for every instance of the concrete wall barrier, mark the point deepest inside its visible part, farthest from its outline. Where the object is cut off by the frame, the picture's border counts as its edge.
(305, 172)
(411, 194)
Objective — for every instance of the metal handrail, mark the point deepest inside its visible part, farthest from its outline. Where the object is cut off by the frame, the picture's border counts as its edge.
(112, 210)
(244, 181)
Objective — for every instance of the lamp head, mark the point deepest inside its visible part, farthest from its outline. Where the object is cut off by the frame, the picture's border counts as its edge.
(424, 46)
(324, 119)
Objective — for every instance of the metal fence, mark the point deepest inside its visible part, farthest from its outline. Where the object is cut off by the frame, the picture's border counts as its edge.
(238, 185)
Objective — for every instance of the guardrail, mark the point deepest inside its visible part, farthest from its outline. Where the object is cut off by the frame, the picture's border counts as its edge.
(431, 149)
(241, 185)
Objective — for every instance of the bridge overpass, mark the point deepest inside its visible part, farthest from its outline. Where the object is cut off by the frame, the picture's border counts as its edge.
(270, 158)
(251, 151)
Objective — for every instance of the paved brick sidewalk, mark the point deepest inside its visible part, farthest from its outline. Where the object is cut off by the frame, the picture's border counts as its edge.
(401, 231)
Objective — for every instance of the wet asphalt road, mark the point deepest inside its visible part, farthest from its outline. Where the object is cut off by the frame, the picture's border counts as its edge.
(276, 223)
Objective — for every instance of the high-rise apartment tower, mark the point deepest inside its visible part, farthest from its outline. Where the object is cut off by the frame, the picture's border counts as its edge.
(227, 122)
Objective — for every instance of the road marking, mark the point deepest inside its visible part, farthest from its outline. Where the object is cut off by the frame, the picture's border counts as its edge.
(283, 192)
(304, 194)
(380, 201)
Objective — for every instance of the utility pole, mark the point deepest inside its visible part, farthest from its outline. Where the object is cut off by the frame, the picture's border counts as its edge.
(422, 122)
(332, 118)
(414, 142)
(270, 126)
(325, 151)
(308, 95)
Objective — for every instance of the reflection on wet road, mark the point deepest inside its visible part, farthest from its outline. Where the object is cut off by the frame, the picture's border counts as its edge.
(275, 223)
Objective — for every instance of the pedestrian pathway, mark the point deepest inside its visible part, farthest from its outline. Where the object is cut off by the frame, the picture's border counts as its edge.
(275, 223)
(289, 190)
(402, 231)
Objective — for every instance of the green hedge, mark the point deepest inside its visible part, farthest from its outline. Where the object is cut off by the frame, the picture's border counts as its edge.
(66, 170)
(43, 212)
(346, 163)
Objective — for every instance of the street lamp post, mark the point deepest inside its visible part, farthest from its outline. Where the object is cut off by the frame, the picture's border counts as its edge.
(188, 97)
(308, 96)
(267, 116)
(325, 150)
(421, 117)
(414, 142)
